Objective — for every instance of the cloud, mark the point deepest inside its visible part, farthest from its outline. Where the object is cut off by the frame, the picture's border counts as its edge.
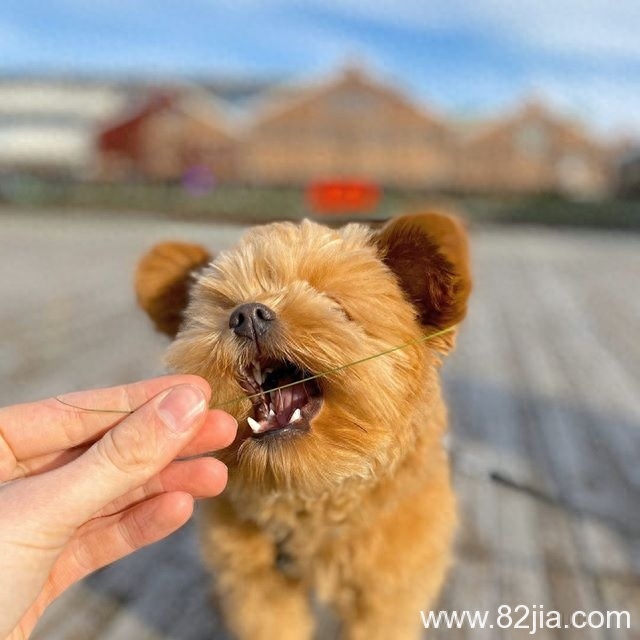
(605, 104)
(467, 57)
(583, 56)
(566, 27)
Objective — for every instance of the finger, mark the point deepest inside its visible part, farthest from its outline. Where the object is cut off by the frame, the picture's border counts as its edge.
(200, 477)
(125, 458)
(47, 462)
(37, 428)
(108, 539)
(217, 431)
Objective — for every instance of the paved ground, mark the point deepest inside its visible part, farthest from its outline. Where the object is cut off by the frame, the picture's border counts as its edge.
(544, 388)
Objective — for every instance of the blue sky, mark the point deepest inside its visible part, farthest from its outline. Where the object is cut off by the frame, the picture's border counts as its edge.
(467, 57)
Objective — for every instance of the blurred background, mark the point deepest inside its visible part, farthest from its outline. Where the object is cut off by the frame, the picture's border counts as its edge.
(237, 109)
(122, 124)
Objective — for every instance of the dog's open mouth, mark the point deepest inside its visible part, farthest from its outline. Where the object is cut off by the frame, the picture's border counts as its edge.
(277, 409)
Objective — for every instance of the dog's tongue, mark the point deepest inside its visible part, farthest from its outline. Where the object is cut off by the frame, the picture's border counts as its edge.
(286, 401)
(283, 404)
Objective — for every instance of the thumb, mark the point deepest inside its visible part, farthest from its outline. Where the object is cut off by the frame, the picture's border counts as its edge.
(128, 455)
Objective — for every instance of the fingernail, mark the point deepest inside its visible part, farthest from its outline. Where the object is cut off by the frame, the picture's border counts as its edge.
(181, 406)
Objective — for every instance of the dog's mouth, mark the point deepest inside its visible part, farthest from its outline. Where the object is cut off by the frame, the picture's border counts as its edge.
(283, 401)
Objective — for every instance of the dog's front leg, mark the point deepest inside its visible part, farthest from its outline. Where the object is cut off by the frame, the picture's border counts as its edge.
(379, 608)
(396, 569)
(382, 616)
(256, 600)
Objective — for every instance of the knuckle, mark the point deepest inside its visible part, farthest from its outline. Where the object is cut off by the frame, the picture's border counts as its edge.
(130, 401)
(132, 530)
(85, 556)
(9, 463)
(128, 449)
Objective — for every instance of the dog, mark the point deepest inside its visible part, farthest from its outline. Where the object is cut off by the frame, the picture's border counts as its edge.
(339, 485)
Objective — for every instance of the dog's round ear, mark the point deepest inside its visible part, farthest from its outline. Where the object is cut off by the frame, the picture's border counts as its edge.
(163, 279)
(429, 255)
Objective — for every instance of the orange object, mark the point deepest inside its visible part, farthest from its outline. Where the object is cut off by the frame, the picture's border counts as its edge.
(343, 196)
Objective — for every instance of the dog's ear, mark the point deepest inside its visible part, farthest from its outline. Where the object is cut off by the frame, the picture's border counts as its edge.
(429, 255)
(163, 279)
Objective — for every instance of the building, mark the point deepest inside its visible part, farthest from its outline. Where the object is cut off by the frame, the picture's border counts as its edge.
(532, 150)
(349, 127)
(168, 137)
(47, 126)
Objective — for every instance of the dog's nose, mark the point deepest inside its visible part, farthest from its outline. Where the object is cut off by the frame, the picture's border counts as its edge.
(251, 320)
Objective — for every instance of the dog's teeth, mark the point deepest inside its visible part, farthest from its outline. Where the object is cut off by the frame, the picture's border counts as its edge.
(272, 413)
(257, 374)
(295, 416)
(256, 427)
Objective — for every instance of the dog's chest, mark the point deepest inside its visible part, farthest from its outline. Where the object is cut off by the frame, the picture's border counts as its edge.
(304, 532)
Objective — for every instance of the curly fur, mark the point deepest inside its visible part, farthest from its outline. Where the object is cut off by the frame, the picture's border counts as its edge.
(359, 510)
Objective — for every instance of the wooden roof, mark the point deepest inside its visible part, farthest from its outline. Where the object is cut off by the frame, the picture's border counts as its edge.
(530, 110)
(192, 103)
(280, 103)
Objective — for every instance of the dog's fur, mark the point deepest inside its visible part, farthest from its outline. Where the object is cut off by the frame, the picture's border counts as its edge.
(358, 509)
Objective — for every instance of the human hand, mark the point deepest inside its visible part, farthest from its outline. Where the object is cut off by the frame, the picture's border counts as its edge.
(81, 489)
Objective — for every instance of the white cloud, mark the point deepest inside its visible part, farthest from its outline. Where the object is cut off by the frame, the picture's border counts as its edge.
(585, 27)
(583, 54)
(588, 51)
(603, 103)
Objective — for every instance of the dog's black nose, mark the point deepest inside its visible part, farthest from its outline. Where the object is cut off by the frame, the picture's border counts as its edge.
(251, 320)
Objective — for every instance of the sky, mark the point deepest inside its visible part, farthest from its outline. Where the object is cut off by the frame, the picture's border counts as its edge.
(467, 58)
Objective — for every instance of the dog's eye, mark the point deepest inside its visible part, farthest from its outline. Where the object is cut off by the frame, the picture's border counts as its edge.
(336, 304)
(221, 300)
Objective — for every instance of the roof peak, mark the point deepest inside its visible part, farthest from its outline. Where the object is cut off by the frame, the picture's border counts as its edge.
(354, 69)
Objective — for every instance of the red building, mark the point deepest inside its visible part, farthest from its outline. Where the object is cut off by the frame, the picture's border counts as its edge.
(170, 135)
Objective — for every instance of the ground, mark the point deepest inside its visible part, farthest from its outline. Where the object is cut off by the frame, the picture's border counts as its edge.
(544, 391)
